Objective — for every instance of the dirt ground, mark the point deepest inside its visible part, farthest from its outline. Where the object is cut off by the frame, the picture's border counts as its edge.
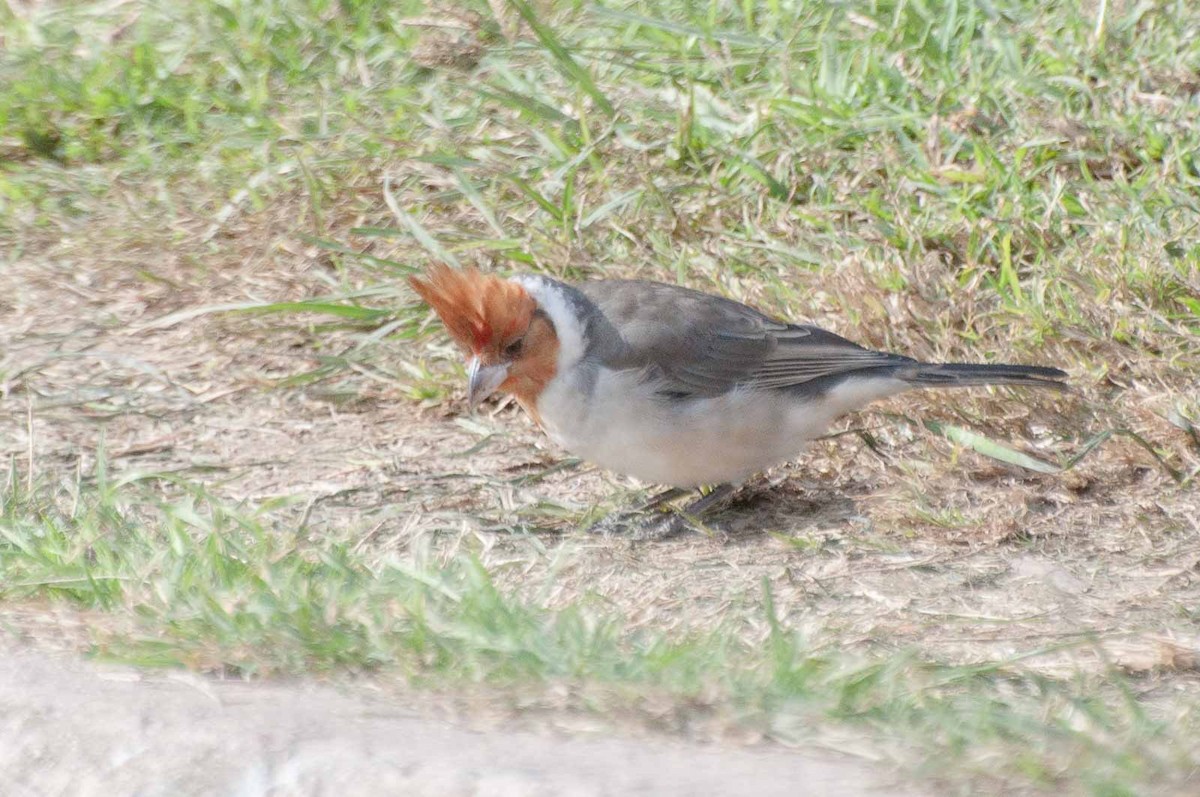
(67, 728)
(920, 545)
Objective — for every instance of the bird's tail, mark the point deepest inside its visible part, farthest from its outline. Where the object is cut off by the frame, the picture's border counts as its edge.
(967, 374)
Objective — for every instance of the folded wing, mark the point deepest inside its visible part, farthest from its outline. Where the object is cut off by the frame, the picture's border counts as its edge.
(702, 345)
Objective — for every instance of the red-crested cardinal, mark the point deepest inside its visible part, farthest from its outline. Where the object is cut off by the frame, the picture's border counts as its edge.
(667, 384)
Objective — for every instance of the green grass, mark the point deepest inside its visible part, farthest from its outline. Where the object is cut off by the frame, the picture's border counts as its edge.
(1013, 145)
(956, 178)
(242, 590)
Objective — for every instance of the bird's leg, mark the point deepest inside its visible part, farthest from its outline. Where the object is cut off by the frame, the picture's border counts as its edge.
(664, 497)
(663, 525)
(629, 520)
(673, 523)
(717, 498)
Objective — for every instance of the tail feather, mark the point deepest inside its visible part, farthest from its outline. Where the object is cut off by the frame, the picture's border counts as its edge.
(968, 374)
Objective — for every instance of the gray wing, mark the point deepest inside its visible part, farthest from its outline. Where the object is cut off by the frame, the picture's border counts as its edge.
(703, 345)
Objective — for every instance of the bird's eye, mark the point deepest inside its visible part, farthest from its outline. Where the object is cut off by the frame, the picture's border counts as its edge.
(513, 350)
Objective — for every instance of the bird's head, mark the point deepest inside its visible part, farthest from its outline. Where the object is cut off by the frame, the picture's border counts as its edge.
(510, 345)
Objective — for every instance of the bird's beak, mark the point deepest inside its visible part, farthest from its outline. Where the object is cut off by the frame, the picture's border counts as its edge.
(483, 380)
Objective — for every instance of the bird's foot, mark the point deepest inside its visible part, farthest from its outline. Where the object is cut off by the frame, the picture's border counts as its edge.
(640, 526)
(622, 524)
(663, 527)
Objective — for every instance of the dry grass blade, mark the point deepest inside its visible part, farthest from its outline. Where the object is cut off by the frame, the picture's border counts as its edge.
(989, 448)
(406, 220)
(562, 56)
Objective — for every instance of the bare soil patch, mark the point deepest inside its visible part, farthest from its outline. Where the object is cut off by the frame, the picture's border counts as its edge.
(67, 728)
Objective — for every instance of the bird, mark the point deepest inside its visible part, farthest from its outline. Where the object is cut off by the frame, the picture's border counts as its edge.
(671, 385)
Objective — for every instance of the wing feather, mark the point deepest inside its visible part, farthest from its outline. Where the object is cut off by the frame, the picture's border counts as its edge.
(697, 344)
